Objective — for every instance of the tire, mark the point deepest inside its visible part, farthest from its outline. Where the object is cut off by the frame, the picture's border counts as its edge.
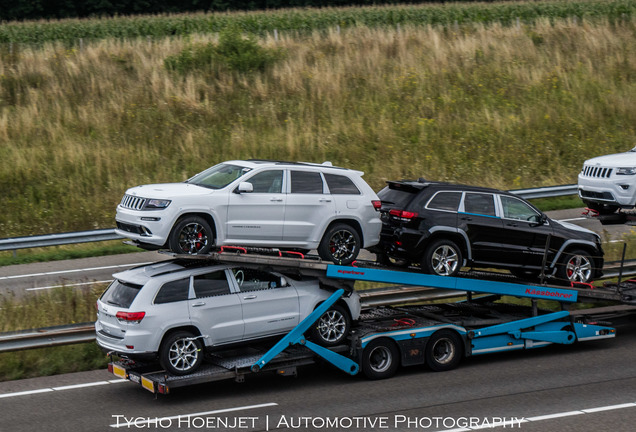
(576, 266)
(380, 359)
(192, 235)
(181, 353)
(340, 244)
(332, 328)
(444, 350)
(443, 258)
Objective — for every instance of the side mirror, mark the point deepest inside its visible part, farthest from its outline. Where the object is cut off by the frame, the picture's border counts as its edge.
(244, 187)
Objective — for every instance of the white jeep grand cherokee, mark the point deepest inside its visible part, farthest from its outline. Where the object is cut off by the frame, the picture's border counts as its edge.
(256, 203)
(607, 183)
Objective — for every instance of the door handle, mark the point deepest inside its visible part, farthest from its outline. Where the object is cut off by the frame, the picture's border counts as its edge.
(513, 224)
(467, 218)
(250, 297)
(198, 304)
(324, 200)
(276, 200)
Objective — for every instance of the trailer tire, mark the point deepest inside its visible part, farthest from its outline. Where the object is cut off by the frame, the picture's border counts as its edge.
(332, 328)
(181, 353)
(380, 359)
(444, 350)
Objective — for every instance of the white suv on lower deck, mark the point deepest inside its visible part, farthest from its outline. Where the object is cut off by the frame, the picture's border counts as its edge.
(607, 183)
(256, 203)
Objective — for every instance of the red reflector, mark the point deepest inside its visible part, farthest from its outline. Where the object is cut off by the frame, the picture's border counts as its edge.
(377, 204)
(402, 214)
(110, 367)
(130, 316)
(130, 346)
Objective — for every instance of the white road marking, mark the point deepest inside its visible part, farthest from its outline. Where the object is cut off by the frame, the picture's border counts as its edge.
(158, 420)
(573, 219)
(72, 271)
(62, 388)
(68, 285)
(520, 420)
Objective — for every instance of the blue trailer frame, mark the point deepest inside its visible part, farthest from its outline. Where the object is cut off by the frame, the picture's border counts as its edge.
(397, 337)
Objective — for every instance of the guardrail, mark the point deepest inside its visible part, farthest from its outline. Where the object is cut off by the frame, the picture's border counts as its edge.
(109, 234)
(58, 239)
(47, 337)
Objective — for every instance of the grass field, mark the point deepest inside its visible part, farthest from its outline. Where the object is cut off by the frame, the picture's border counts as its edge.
(508, 107)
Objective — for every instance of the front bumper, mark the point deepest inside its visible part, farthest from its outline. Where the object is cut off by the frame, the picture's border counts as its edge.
(617, 190)
(146, 227)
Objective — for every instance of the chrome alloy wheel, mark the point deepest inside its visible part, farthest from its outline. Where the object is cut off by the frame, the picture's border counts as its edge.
(332, 326)
(444, 260)
(578, 268)
(183, 354)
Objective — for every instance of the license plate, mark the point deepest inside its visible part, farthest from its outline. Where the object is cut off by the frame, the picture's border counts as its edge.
(147, 384)
(119, 371)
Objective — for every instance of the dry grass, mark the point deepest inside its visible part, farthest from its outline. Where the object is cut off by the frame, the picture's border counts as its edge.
(500, 106)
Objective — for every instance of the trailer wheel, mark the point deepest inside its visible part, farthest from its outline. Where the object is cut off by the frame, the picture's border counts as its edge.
(380, 359)
(332, 328)
(444, 350)
(181, 353)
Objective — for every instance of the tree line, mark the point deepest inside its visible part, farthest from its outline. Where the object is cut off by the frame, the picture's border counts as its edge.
(12, 10)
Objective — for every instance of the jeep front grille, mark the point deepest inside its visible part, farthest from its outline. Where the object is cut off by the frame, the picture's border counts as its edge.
(133, 202)
(596, 171)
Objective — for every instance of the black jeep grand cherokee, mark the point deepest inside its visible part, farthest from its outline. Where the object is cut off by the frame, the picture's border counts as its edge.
(444, 226)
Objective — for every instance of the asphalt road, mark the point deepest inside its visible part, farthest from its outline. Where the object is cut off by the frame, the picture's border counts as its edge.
(589, 386)
(25, 278)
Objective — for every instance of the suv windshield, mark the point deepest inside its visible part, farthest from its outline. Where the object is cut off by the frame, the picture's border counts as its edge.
(218, 176)
(120, 294)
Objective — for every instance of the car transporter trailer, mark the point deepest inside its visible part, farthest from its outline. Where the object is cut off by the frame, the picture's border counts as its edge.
(385, 338)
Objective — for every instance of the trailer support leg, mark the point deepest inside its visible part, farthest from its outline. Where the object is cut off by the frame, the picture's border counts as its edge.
(296, 336)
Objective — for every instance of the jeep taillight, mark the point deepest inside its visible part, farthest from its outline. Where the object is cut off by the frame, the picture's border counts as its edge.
(131, 317)
(377, 204)
(403, 214)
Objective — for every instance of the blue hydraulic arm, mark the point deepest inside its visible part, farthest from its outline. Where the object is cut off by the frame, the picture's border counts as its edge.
(296, 336)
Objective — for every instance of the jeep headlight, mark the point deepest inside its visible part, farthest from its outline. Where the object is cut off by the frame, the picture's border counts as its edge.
(626, 171)
(157, 204)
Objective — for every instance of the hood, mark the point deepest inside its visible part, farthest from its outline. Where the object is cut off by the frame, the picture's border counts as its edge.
(574, 227)
(627, 159)
(168, 190)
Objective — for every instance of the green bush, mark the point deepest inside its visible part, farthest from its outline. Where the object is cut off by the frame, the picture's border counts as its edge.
(233, 52)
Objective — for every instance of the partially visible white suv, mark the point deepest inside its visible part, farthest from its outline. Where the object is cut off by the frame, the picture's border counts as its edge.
(175, 310)
(256, 203)
(607, 183)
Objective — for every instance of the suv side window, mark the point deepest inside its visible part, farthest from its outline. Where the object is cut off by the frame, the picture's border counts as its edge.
(479, 203)
(341, 185)
(448, 201)
(514, 208)
(211, 284)
(307, 182)
(173, 291)
(255, 280)
(267, 182)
